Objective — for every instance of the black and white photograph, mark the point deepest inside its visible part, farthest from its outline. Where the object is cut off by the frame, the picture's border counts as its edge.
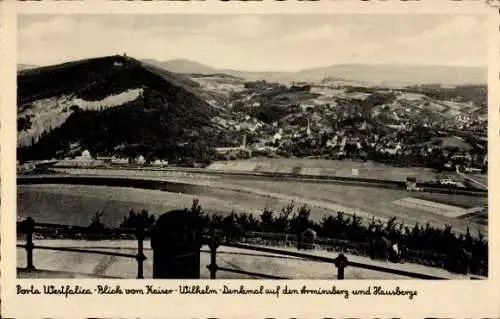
(252, 146)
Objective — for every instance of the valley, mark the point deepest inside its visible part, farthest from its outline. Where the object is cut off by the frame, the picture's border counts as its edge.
(250, 144)
(228, 117)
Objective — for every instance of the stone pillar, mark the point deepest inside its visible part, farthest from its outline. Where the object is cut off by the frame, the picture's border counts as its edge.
(176, 243)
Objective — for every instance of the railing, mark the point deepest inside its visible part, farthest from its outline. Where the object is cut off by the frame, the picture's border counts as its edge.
(29, 227)
(341, 261)
(353, 247)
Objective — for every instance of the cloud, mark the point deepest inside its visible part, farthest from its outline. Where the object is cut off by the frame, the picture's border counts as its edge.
(458, 27)
(462, 40)
(242, 27)
(323, 32)
(57, 26)
(256, 41)
(62, 38)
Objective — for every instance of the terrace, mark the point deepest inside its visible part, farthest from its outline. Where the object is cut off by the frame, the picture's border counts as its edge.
(219, 257)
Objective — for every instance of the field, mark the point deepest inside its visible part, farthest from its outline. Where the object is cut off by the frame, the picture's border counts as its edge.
(75, 204)
(72, 204)
(367, 201)
(432, 207)
(57, 264)
(323, 167)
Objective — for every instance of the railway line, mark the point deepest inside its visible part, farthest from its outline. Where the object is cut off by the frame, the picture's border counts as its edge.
(149, 172)
(251, 193)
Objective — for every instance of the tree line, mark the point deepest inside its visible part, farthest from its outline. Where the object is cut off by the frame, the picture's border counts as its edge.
(425, 244)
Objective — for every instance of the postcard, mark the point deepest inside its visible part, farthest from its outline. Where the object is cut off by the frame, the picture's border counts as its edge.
(249, 159)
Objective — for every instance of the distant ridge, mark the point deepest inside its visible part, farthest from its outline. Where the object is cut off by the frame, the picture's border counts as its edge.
(403, 74)
(183, 66)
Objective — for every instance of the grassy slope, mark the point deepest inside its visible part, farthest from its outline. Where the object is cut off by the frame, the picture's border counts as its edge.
(327, 167)
(76, 204)
(371, 201)
(53, 202)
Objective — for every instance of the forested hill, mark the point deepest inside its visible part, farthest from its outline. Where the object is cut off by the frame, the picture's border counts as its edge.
(112, 105)
(95, 79)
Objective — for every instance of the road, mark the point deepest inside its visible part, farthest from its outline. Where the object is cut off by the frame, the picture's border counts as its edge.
(480, 181)
(285, 177)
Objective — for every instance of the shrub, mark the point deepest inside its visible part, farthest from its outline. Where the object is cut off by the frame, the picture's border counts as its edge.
(422, 244)
(138, 220)
(96, 228)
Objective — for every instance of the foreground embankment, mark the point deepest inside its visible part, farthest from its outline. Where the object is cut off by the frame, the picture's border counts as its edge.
(158, 193)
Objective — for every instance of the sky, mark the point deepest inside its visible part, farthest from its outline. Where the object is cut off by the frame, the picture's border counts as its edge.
(262, 42)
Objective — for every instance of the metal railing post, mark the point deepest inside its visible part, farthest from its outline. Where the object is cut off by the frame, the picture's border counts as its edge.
(213, 245)
(140, 257)
(299, 241)
(28, 227)
(341, 262)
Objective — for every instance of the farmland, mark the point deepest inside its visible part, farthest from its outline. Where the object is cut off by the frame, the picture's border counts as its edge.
(340, 168)
(75, 204)
(224, 195)
(367, 202)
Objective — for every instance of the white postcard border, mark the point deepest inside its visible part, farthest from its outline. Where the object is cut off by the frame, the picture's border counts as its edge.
(435, 298)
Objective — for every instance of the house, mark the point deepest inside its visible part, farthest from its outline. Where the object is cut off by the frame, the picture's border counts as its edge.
(159, 162)
(277, 137)
(105, 159)
(117, 160)
(140, 160)
(86, 154)
(306, 107)
(392, 151)
(85, 157)
(411, 184)
(331, 143)
(264, 148)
